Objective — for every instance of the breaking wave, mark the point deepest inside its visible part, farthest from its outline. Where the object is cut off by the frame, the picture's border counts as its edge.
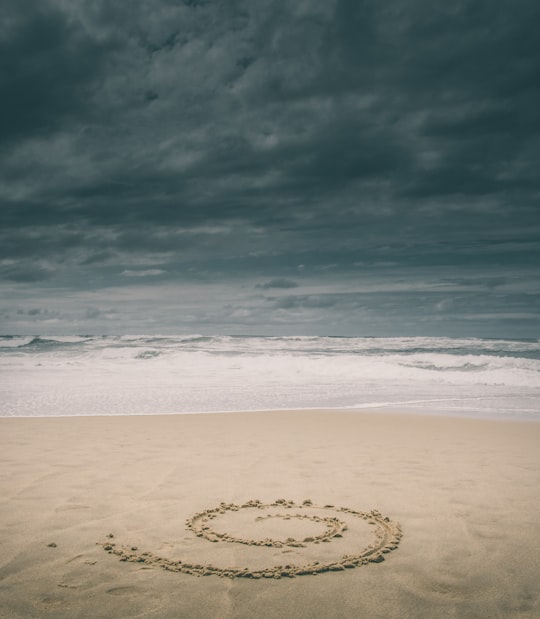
(134, 374)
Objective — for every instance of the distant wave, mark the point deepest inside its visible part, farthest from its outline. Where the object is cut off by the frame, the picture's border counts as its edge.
(15, 341)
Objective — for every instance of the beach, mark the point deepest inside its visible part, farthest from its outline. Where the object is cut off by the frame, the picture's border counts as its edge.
(95, 508)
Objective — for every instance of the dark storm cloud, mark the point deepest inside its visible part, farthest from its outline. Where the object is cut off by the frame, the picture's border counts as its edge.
(310, 301)
(23, 272)
(259, 111)
(49, 69)
(279, 282)
(31, 312)
(227, 139)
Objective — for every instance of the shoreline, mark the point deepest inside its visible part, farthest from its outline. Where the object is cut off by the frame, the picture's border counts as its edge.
(463, 490)
(389, 410)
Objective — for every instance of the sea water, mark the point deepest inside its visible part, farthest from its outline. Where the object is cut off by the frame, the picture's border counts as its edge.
(134, 375)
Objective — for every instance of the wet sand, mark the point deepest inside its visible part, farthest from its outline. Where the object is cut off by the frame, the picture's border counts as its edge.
(286, 514)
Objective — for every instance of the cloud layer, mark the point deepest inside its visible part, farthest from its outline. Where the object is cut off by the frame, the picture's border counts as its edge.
(321, 165)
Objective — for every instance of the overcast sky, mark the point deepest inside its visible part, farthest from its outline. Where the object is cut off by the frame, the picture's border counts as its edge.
(343, 167)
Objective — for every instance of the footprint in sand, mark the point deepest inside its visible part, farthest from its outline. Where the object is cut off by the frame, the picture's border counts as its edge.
(125, 590)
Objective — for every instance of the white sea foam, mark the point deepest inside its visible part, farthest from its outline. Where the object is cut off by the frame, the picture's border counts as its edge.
(151, 374)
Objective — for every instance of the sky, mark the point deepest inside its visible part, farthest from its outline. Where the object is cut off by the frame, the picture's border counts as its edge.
(337, 167)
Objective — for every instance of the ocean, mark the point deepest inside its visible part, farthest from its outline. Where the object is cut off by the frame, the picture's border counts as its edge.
(136, 375)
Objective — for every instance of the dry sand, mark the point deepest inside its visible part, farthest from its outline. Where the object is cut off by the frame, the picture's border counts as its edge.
(466, 494)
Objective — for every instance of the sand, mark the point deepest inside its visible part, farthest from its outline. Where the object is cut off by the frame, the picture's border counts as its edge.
(311, 514)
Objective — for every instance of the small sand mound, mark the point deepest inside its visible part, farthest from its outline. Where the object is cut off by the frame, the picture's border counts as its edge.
(312, 539)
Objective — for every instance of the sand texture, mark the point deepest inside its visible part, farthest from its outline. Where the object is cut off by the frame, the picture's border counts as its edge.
(301, 514)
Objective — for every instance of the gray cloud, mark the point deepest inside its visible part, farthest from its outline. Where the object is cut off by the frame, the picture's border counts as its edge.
(50, 70)
(142, 273)
(311, 301)
(278, 282)
(92, 313)
(23, 272)
(233, 142)
(33, 312)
